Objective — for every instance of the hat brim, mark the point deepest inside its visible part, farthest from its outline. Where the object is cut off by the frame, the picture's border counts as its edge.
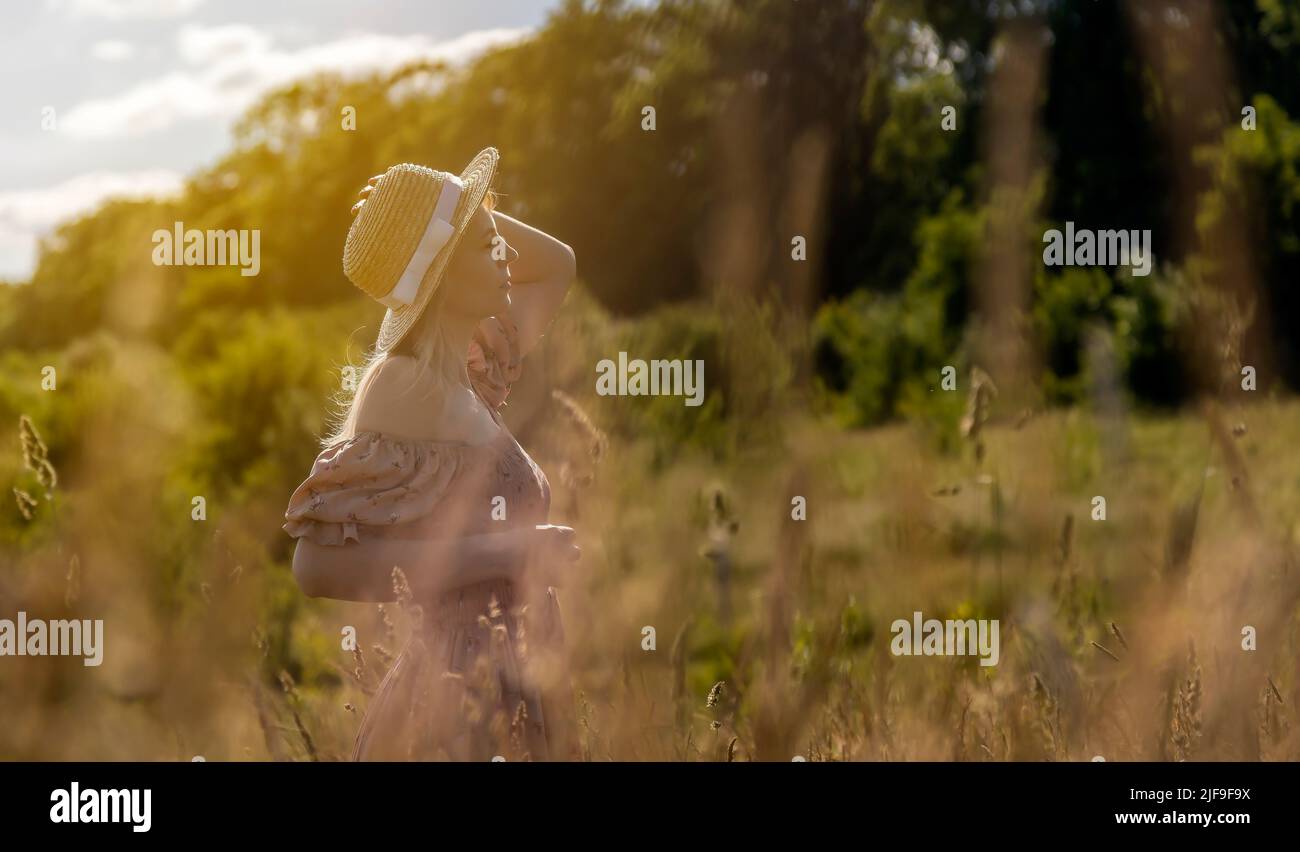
(477, 179)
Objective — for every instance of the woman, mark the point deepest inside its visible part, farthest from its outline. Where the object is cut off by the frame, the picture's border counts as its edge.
(423, 475)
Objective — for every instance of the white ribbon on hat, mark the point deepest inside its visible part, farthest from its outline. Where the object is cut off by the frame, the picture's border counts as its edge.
(436, 234)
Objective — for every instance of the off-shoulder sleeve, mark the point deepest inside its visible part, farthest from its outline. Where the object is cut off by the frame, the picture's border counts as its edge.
(495, 362)
(371, 480)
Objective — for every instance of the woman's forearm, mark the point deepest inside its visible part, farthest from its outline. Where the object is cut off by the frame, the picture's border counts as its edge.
(541, 274)
(542, 257)
(363, 571)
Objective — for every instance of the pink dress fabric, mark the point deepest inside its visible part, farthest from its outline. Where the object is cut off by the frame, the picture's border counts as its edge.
(484, 674)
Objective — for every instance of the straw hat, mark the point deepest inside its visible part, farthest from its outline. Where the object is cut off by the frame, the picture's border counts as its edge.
(399, 245)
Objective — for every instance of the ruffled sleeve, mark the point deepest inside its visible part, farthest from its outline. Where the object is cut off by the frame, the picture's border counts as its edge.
(370, 481)
(494, 360)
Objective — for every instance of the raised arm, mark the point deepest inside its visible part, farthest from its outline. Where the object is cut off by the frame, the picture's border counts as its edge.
(540, 277)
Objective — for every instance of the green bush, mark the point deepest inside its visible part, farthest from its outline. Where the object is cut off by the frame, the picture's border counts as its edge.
(748, 369)
(873, 350)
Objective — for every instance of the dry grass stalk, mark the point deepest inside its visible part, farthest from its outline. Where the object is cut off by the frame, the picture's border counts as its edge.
(979, 399)
(72, 590)
(264, 721)
(36, 455)
(406, 600)
(1185, 718)
(597, 440)
(291, 692)
(1047, 718)
(1114, 628)
(1105, 651)
(26, 503)
(390, 632)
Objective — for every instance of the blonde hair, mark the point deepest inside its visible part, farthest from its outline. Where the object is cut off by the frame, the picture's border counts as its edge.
(426, 343)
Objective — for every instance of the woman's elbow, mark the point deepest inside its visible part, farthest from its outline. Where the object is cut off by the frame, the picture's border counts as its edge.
(570, 262)
(312, 579)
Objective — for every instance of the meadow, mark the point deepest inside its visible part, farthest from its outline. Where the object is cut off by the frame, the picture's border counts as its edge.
(1120, 638)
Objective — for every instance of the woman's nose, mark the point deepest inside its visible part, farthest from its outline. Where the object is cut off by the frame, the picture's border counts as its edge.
(511, 254)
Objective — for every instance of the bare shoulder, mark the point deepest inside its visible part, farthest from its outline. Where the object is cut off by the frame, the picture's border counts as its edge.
(404, 401)
(399, 401)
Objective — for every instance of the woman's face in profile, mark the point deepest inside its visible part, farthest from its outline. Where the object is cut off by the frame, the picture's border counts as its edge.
(478, 276)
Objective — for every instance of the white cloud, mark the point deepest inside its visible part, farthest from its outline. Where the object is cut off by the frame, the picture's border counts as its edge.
(117, 10)
(112, 50)
(199, 45)
(151, 106)
(236, 64)
(28, 214)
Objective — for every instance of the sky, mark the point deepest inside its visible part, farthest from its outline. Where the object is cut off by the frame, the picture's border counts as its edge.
(127, 97)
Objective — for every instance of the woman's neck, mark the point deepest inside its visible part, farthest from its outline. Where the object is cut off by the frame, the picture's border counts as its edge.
(457, 332)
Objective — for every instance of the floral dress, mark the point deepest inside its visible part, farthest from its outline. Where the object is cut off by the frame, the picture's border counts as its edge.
(483, 673)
